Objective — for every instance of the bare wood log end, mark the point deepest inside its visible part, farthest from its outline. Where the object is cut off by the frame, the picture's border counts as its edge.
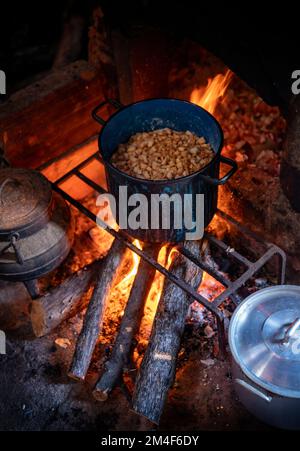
(38, 319)
(100, 396)
(76, 376)
(63, 301)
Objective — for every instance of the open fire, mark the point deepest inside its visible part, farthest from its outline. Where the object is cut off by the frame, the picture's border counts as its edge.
(130, 303)
(128, 308)
(208, 97)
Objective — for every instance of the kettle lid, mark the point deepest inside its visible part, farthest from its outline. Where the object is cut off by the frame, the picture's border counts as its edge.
(25, 198)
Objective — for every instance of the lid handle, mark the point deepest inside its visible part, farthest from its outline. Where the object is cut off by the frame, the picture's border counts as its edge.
(291, 330)
(3, 185)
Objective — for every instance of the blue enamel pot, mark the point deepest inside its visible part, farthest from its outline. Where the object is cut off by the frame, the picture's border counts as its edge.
(153, 114)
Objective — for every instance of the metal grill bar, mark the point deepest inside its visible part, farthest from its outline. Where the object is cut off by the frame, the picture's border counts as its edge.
(90, 182)
(246, 276)
(230, 287)
(229, 251)
(77, 168)
(211, 271)
(122, 236)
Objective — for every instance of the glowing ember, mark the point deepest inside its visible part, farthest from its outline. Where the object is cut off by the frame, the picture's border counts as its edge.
(209, 96)
(210, 288)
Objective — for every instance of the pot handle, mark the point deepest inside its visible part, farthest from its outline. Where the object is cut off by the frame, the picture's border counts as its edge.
(254, 390)
(227, 176)
(115, 103)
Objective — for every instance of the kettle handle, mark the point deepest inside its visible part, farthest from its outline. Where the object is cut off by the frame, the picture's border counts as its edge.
(254, 390)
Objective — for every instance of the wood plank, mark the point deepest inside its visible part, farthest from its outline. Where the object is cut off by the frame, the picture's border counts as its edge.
(45, 119)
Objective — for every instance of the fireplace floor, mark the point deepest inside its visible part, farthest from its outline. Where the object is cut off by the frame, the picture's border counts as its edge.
(36, 393)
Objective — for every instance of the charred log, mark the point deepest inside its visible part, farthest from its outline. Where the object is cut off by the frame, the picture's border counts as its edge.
(63, 301)
(128, 329)
(158, 368)
(94, 316)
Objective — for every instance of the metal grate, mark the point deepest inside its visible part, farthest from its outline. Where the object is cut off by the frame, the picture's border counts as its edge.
(230, 287)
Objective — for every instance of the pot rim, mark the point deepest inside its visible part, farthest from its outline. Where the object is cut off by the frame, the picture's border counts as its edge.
(162, 181)
(274, 389)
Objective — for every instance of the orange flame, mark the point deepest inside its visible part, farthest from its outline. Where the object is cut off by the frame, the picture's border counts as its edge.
(155, 292)
(128, 279)
(171, 257)
(157, 286)
(156, 289)
(208, 96)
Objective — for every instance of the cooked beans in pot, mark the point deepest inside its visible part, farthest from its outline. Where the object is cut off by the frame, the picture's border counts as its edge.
(162, 154)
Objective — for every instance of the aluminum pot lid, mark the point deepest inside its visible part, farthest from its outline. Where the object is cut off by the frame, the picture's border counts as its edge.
(264, 338)
(25, 198)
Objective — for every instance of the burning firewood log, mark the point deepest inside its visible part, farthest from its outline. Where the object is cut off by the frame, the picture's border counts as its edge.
(158, 367)
(64, 301)
(94, 316)
(128, 329)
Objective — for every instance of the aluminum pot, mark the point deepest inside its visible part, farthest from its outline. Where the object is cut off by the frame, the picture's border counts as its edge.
(264, 339)
(153, 114)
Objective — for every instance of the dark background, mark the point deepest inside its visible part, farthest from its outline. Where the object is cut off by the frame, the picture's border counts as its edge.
(261, 43)
(30, 33)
